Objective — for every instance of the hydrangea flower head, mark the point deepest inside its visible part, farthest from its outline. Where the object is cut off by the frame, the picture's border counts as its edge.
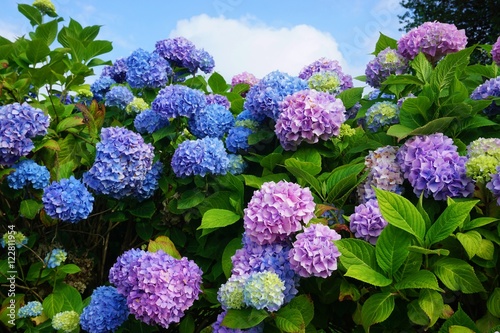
(67, 200)
(205, 61)
(55, 258)
(264, 290)
(308, 116)
(488, 90)
(218, 99)
(432, 165)
(200, 157)
(121, 269)
(483, 158)
(122, 162)
(213, 121)
(327, 65)
(101, 86)
(236, 164)
(136, 106)
(181, 52)
(106, 311)
(117, 72)
(45, 6)
(150, 183)
(264, 97)
(250, 120)
(433, 39)
(149, 121)
(314, 253)
(495, 51)
(367, 222)
(147, 70)
(66, 321)
(243, 78)
(119, 96)
(494, 185)
(381, 114)
(329, 82)
(177, 100)
(237, 139)
(388, 62)
(18, 237)
(29, 173)
(230, 294)
(30, 310)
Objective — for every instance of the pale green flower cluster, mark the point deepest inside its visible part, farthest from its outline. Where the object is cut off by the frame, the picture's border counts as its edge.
(230, 294)
(484, 157)
(325, 81)
(264, 290)
(45, 6)
(346, 131)
(66, 321)
(137, 106)
(19, 239)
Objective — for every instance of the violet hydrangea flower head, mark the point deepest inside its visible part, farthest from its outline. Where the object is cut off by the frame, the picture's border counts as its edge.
(106, 312)
(495, 51)
(122, 268)
(200, 157)
(177, 100)
(122, 162)
(314, 253)
(384, 173)
(28, 172)
(237, 139)
(213, 121)
(387, 62)
(327, 65)
(483, 157)
(117, 72)
(119, 96)
(101, 86)
(494, 185)
(433, 166)
(276, 211)
(66, 321)
(178, 51)
(218, 99)
(308, 116)
(488, 90)
(381, 114)
(264, 290)
(55, 258)
(67, 200)
(264, 97)
(433, 39)
(147, 70)
(149, 121)
(367, 222)
(30, 310)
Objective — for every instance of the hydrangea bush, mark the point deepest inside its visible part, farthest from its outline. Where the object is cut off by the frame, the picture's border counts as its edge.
(163, 197)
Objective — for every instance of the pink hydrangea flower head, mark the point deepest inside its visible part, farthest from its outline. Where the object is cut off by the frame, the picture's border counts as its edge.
(495, 52)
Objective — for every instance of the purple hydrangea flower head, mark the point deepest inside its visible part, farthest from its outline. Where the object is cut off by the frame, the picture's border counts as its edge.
(314, 253)
(384, 173)
(122, 162)
(230, 294)
(367, 222)
(244, 78)
(276, 211)
(327, 65)
(200, 157)
(30, 310)
(106, 311)
(67, 200)
(29, 173)
(178, 51)
(205, 61)
(119, 96)
(488, 90)
(213, 121)
(147, 70)
(117, 72)
(264, 290)
(55, 258)
(150, 183)
(177, 100)
(19, 123)
(162, 288)
(387, 62)
(101, 86)
(494, 185)
(149, 121)
(217, 327)
(495, 51)
(483, 157)
(433, 39)
(237, 139)
(308, 116)
(122, 268)
(218, 99)
(236, 165)
(264, 97)
(432, 165)
(381, 114)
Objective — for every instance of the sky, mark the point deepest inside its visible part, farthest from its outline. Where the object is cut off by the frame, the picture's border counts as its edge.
(255, 36)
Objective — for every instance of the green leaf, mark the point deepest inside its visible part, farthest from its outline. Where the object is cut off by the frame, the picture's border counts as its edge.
(471, 241)
(305, 305)
(47, 32)
(271, 160)
(384, 42)
(416, 314)
(312, 167)
(402, 79)
(144, 230)
(311, 155)
(459, 318)
(218, 218)
(434, 126)
(368, 275)
(452, 217)
(300, 170)
(450, 66)
(229, 251)
(477, 222)
(422, 67)
(290, 320)
(422, 279)
(97, 47)
(432, 304)
(37, 51)
(356, 252)
(351, 96)
(416, 106)
(422, 250)
(217, 83)
(399, 131)
(493, 303)
(376, 309)
(31, 13)
(69, 122)
(392, 249)
(244, 318)
(29, 208)
(457, 275)
(146, 210)
(256, 182)
(63, 298)
(399, 212)
(69, 268)
(165, 244)
(190, 199)
(460, 329)
(187, 324)
(486, 250)
(412, 265)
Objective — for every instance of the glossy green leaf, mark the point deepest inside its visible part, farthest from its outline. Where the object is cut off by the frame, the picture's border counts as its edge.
(392, 249)
(422, 279)
(432, 304)
(304, 304)
(190, 199)
(217, 83)
(471, 241)
(356, 252)
(290, 320)
(244, 318)
(31, 13)
(29, 208)
(218, 218)
(37, 51)
(376, 309)
(493, 303)
(457, 275)
(368, 275)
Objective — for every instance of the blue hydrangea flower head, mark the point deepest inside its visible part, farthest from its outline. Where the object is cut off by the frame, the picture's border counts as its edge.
(117, 72)
(30, 310)
(264, 290)
(249, 119)
(150, 183)
(177, 100)
(200, 157)
(55, 258)
(119, 96)
(486, 91)
(19, 239)
(29, 173)
(213, 121)
(66, 321)
(106, 312)
(381, 114)
(237, 139)
(147, 70)
(149, 121)
(205, 61)
(101, 86)
(236, 165)
(179, 51)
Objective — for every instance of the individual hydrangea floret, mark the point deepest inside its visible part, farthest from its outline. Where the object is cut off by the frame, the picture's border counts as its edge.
(276, 211)
(200, 157)
(384, 172)
(367, 222)
(488, 90)
(495, 51)
(16, 238)
(314, 253)
(230, 294)
(30, 310)
(101, 86)
(483, 157)
(106, 312)
(150, 183)
(147, 70)
(66, 321)
(387, 62)
(177, 100)
(136, 106)
(218, 99)
(117, 72)
(264, 98)
(119, 272)
(149, 121)
(264, 290)
(28, 172)
(237, 139)
(433, 166)
(381, 114)
(327, 65)
(67, 200)
(308, 116)
(213, 121)
(121, 164)
(119, 96)
(236, 164)
(433, 39)
(55, 258)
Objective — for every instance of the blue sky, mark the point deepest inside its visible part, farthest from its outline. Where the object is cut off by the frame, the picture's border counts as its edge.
(256, 36)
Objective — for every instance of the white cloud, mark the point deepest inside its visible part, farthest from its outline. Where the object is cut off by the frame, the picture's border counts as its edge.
(250, 45)
(12, 31)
